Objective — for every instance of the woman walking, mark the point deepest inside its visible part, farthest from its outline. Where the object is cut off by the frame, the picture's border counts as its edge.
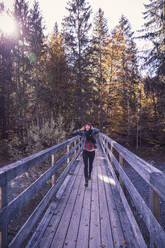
(89, 146)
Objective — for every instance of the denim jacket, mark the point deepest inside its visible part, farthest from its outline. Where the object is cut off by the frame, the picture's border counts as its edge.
(82, 134)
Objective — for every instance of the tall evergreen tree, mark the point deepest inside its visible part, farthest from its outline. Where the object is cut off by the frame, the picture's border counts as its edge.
(36, 50)
(99, 44)
(155, 60)
(129, 74)
(154, 32)
(6, 60)
(75, 32)
(21, 66)
(57, 71)
(125, 73)
(97, 58)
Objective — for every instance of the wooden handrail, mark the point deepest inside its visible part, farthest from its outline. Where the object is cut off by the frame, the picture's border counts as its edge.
(7, 173)
(152, 176)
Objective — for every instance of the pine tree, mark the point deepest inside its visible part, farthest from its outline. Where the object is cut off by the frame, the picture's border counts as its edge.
(123, 77)
(129, 74)
(155, 60)
(97, 58)
(6, 61)
(21, 65)
(75, 32)
(154, 32)
(36, 50)
(57, 71)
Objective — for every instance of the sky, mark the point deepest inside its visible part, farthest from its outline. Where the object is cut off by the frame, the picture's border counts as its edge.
(54, 10)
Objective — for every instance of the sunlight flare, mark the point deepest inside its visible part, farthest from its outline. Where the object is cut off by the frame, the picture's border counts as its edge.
(8, 25)
(107, 179)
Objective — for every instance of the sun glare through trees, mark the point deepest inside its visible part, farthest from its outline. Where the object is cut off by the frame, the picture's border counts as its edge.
(8, 25)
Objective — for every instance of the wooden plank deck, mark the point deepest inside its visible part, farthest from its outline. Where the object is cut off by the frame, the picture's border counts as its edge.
(92, 217)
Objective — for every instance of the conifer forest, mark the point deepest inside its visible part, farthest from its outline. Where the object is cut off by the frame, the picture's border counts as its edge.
(81, 72)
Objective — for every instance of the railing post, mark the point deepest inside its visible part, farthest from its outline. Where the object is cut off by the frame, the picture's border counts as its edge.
(68, 149)
(104, 143)
(79, 147)
(3, 203)
(121, 162)
(112, 152)
(75, 143)
(106, 146)
(53, 179)
(155, 204)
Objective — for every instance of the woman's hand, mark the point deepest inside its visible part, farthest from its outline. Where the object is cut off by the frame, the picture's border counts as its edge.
(82, 129)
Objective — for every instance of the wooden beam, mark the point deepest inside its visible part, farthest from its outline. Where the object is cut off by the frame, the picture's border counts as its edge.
(26, 229)
(17, 168)
(155, 204)
(156, 231)
(112, 149)
(75, 146)
(135, 227)
(4, 224)
(121, 162)
(53, 179)
(68, 148)
(21, 200)
(154, 177)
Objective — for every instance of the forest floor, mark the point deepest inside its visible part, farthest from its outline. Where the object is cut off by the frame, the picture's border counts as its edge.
(151, 154)
(4, 162)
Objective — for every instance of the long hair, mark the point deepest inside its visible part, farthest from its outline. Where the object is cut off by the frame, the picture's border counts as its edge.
(89, 136)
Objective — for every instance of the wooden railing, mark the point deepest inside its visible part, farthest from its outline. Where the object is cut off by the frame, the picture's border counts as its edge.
(10, 209)
(117, 155)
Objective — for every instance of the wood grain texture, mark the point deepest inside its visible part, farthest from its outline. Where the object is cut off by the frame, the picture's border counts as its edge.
(95, 232)
(96, 216)
(53, 179)
(90, 217)
(50, 229)
(58, 238)
(133, 235)
(61, 232)
(21, 200)
(155, 204)
(13, 170)
(109, 184)
(84, 227)
(42, 226)
(143, 168)
(73, 228)
(27, 227)
(154, 177)
(106, 224)
(156, 232)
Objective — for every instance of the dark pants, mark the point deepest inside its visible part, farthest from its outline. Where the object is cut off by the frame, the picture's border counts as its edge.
(88, 156)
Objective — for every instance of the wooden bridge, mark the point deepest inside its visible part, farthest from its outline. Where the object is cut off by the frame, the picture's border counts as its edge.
(110, 213)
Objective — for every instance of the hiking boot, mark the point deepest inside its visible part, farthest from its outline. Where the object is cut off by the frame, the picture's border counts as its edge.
(86, 182)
